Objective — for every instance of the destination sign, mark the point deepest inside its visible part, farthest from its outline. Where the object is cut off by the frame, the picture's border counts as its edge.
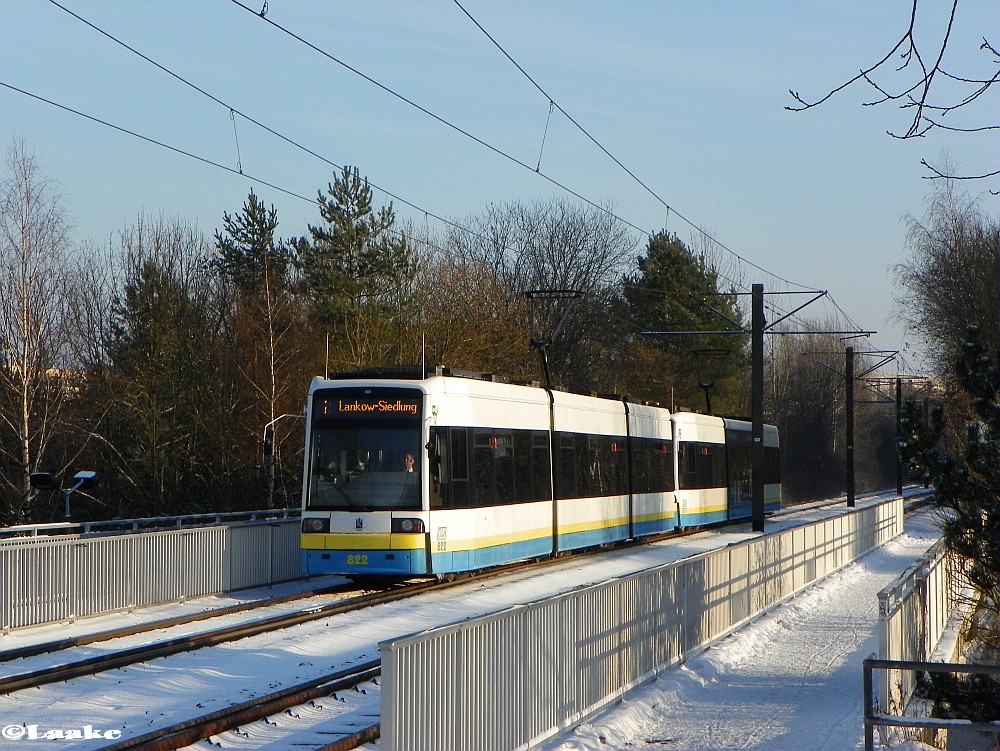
(364, 403)
(381, 406)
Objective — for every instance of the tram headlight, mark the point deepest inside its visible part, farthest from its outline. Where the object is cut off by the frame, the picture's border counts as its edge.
(315, 525)
(408, 526)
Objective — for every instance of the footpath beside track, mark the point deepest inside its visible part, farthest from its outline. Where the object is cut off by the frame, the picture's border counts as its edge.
(244, 712)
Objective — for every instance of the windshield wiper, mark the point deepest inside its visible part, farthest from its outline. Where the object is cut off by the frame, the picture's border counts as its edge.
(346, 497)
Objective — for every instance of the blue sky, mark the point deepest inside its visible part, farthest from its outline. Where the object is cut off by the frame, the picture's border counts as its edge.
(689, 96)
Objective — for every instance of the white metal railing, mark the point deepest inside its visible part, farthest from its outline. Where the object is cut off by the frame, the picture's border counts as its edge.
(515, 678)
(46, 579)
(961, 732)
(914, 613)
(23, 532)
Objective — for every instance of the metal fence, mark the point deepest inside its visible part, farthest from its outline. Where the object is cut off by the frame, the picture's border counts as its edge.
(23, 533)
(515, 678)
(44, 579)
(913, 614)
(967, 734)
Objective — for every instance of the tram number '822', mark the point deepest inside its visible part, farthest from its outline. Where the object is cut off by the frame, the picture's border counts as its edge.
(357, 560)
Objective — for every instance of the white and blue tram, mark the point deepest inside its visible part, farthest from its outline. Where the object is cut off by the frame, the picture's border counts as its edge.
(451, 473)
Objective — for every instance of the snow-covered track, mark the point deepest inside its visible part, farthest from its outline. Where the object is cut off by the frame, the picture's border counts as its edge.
(199, 728)
(165, 648)
(79, 641)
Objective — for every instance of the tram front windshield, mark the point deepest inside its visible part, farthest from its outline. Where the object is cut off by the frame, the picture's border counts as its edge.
(361, 459)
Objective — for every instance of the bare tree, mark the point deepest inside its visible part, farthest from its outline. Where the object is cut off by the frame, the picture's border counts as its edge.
(34, 380)
(805, 400)
(917, 75)
(554, 245)
(949, 281)
(466, 318)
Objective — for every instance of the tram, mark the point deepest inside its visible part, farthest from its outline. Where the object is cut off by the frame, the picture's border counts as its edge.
(454, 472)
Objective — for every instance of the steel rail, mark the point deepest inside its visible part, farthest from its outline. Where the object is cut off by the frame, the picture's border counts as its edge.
(33, 650)
(125, 657)
(199, 728)
(166, 648)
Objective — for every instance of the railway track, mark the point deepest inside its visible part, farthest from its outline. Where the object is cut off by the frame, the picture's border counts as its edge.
(259, 708)
(185, 733)
(213, 637)
(165, 648)
(16, 653)
(57, 645)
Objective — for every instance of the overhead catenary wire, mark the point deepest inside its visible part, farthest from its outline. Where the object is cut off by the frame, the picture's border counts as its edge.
(154, 141)
(511, 158)
(443, 121)
(296, 144)
(234, 111)
(182, 152)
(612, 157)
(668, 207)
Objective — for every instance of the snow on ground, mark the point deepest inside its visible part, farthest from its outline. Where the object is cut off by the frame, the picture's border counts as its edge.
(790, 680)
(141, 697)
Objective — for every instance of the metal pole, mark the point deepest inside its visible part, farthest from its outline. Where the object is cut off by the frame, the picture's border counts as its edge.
(757, 406)
(868, 693)
(268, 450)
(850, 426)
(268, 445)
(927, 418)
(899, 436)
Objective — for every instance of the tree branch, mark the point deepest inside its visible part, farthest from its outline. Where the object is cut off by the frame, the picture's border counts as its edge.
(916, 96)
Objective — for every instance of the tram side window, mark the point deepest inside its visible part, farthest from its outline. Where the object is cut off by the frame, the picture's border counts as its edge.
(611, 474)
(589, 480)
(702, 465)
(503, 467)
(483, 463)
(440, 460)
(664, 454)
(619, 467)
(459, 470)
(718, 453)
(521, 445)
(772, 465)
(541, 478)
(487, 466)
(689, 465)
(639, 451)
(590, 466)
(740, 463)
(584, 464)
(566, 470)
(653, 466)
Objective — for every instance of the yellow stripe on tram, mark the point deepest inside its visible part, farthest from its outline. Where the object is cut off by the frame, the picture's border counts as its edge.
(363, 542)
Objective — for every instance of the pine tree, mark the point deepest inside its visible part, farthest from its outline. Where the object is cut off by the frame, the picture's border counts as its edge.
(249, 253)
(265, 330)
(677, 290)
(354, 257)
(964, 469)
